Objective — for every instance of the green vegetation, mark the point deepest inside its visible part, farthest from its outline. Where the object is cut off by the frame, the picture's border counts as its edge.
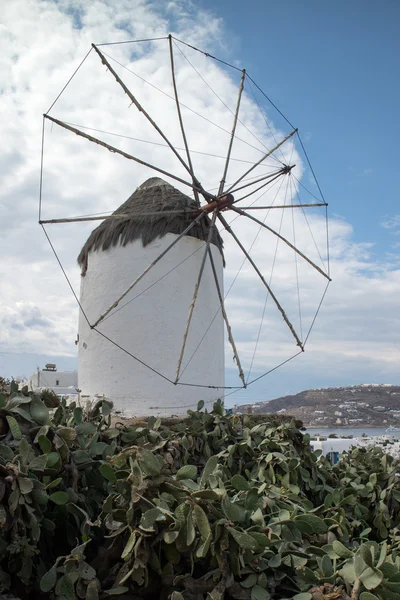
(215, 507)
(4, 383)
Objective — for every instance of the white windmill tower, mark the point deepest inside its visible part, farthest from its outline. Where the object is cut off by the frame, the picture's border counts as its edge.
(115, 255)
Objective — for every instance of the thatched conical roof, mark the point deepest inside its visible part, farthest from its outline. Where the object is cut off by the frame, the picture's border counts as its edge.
(155, 196)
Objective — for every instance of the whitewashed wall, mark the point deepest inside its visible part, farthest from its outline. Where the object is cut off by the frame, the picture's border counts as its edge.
(63, 383)
(151, 327)
(52, 379)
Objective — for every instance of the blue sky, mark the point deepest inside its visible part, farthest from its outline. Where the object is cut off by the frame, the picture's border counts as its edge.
(331, 67)
(333, 70)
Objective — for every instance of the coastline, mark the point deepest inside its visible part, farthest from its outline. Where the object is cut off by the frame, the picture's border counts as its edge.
(344, 428)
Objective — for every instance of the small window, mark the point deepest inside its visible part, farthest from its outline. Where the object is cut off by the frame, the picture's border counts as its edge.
(57, 382)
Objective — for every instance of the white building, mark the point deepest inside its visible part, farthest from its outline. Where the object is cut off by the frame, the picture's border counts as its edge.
(333, 447)
(63, 383)
(131, 355)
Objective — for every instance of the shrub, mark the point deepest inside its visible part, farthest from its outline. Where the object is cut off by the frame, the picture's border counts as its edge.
(50, 398)
(213, 507)
(4, 384)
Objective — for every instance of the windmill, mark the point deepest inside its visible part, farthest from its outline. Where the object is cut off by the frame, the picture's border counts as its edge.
(153, 301)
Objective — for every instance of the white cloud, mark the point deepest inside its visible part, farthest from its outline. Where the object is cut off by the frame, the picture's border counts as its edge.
(25, 329)
(391, 222)
(41, 44)
(361, 173)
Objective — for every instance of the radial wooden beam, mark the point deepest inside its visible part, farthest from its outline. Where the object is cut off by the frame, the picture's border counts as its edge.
(118, 151)
(232, 188)
(235, 120)
(257, 270)
(195, 294)
(278, 235)
(225, 316)
(271, 176)
(196, 184)
(147, 269)
(261, 187)
(178, 108)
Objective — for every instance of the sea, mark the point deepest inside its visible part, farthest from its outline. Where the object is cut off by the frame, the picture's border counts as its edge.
(353, 432)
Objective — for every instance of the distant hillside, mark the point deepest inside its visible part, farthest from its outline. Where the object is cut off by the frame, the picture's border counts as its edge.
(372, 405)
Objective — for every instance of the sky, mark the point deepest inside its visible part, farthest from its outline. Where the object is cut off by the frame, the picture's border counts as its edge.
(329, 67)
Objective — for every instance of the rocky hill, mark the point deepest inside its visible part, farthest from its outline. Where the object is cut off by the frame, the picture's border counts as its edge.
(365, 405)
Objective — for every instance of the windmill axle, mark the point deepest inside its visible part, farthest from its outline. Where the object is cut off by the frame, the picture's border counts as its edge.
(222, 203)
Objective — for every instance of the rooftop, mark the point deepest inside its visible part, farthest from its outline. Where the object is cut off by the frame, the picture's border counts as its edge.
(157, 197)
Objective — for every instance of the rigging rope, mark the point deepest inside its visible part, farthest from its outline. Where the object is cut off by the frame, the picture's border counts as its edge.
(296, 265)
(133, 41)
(307, 190)
(275, 368)
(207, 54)
(310, 230)
(86, 317)
(266, 121)
(226, 106)
(184, 105)
(69, 80)
(269, 283)
(41, 171)
(111, 340)
(327, 239)
(153, 284)
(316, 314)
(270, 101)
(264, 374)
(234, 280)
(128, 137)
(310, 165)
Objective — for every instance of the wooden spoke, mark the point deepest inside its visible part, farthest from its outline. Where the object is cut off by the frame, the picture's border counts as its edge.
(178, 108)
(225, 316)
(232, 188)
(259, 188)
(242, 212)
(195, 294)
(257, 270)
(235, 120)
(118, 151)
(196, 184)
